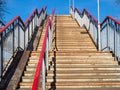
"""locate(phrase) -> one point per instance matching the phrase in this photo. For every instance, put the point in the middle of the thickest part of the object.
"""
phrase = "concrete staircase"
(29, 73)
(75, 63)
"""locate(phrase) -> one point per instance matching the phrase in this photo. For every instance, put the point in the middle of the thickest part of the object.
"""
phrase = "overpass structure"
(60, 52)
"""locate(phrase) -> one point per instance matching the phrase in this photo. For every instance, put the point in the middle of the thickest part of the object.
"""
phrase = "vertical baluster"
(43, 75)
(32, 27)
(47, 54)
(13, 42)
(49, 30)
(115, 40)
(18, 34)
(108, 35)
(28, 31)
(24, 38)
(1, 52)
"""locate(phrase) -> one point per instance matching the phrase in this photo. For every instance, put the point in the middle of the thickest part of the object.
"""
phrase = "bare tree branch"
(2, 9)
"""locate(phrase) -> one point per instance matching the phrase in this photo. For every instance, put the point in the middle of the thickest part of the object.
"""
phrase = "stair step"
(90, 68)
(83, 61)
(77, 51)
(99, 88)
(94, 49)
(81, 80)
(76, 47)
(87, 56)
(29, 73)
(99, 77)
(85, 66)
(27, 79)
(26, 84)
(24, 89)
(78, 54)
(73, 58)
(84, 84)
(85, 72)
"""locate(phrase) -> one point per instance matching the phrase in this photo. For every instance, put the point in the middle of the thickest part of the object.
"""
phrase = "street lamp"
(73, 4)
(70, 4)
(99, 38)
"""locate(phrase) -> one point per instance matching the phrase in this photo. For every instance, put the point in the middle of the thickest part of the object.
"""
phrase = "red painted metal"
(108, 17)
(35, 11)
(7, 25)
(91, 15)
(76, 9)
(39, 66)
(18, 17)
(85, 10)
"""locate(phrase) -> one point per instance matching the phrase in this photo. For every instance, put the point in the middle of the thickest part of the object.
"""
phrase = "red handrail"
(113, 19)
(39, 66)
(91, 15)
(35, 11)
(18, 17)
(78, 11)
(7, 25)
(85, 10)
(108, 17)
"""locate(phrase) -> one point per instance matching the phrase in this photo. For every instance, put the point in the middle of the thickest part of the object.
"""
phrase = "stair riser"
(80, 80)
(74, 87)
(27, 80)
(26, 86)
(78, 62)
(81, 57)
(86, 69)
(84, 74)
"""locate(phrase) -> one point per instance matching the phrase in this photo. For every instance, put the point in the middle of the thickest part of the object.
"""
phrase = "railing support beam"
(1, 57)
(99, 37)
(43, 75)
(47, 51)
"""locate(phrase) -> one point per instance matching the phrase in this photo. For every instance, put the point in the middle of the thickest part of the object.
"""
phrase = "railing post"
(73, 10)
(99, 37)
(32, 21)
(18, 34)
(69, 6)
(108, 35)
(24, 39)
(28, 31)
(13, 39)
(47, 54)
(115, 40)
(43, 75)
(1, 56)
(49, 32)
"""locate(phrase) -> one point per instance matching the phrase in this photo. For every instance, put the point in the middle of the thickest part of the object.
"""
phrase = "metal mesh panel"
(7, 49)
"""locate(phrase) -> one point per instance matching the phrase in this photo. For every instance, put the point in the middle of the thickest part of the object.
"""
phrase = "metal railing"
(1, 24)
(110, 30)
(43, 58)
(110, 36)
(15, 36)
(87, 20)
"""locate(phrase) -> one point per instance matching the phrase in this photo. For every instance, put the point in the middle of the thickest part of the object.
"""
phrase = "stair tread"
(100, 88)
(83, 71)
(89, 83)
(85, 66)
(84, 77)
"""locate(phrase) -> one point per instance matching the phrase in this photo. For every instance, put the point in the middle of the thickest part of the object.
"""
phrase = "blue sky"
(24, 8)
